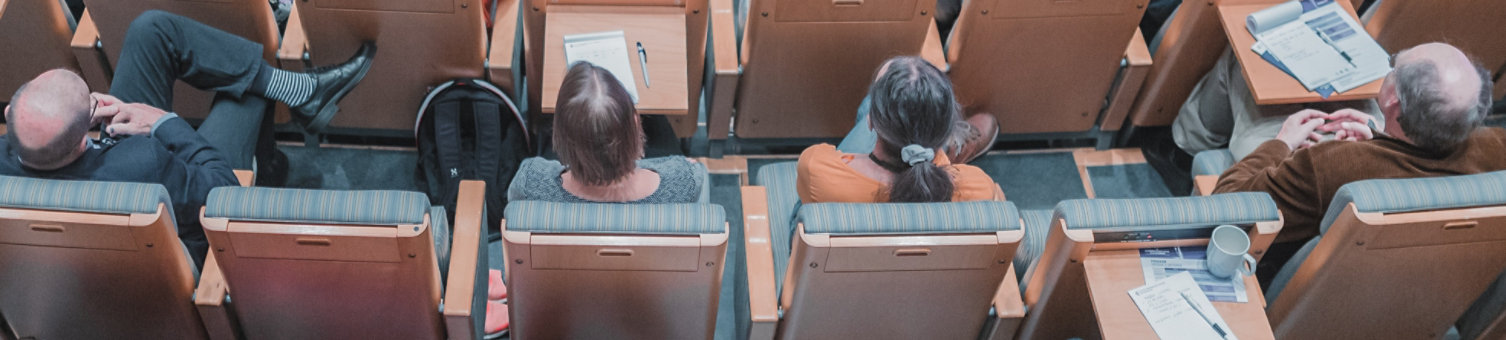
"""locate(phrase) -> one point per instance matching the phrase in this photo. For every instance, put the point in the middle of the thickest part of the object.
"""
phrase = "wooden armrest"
(932, 50)
(503, 50)
(246, 178)
(1009, 309)
(1127, 89)
(465, 307)
(1202, 185)
(92, 61)
(762, 291)
(210, 299)
(728, 69)
(295, 43)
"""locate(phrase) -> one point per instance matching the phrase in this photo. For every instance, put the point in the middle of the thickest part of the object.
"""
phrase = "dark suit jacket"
(174, 156)
(1304, 182)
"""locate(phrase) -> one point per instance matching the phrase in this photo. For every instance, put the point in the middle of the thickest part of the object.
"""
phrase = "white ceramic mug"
(1228, 252)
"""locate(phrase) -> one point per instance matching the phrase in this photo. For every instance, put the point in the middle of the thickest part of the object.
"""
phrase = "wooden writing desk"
(1202, 185)
(1110, 276)
(660, 29)
(1268, 84)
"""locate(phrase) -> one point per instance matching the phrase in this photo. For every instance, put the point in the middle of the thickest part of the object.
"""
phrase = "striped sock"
(288, 87)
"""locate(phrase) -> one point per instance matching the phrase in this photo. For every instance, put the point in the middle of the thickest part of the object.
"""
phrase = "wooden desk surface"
(1267, 83)
(660, 29)
(1110, 276)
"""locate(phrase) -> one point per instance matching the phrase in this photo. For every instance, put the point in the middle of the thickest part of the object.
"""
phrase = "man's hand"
(1297, 131)
(1350, 125)
(130, 118)
(102, 100)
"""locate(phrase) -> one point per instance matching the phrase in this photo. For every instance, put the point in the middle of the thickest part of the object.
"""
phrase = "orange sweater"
(824, 176)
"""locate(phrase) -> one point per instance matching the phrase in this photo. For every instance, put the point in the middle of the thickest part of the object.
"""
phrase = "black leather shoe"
(331, 84)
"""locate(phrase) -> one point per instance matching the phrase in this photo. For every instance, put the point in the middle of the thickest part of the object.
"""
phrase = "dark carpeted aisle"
(1034, 180)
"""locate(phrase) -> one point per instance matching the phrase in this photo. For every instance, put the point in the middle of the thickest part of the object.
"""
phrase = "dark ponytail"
(912, 105)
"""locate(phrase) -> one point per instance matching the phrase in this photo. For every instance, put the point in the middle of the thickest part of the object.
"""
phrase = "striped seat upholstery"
(372, 207)
(779, 180)
(1212, 162)
(1395, 196)
(555, 217)
(83, 196)
(1037, 226)
(1150, 213)
(909, 218)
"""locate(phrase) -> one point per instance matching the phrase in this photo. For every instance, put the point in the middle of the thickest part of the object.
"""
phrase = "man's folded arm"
(202, 166)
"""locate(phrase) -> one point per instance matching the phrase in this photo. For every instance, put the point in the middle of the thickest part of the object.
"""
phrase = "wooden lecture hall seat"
(614, 271)
(1396, 258)
(1046, 68)
(93, 260)
(101, 35)
(804, 66)
(318, 264)
(840, 270)
(420, 44)
(35, 36)
(1057, 284)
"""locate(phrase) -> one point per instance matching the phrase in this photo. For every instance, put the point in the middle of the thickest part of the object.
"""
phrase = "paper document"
(1318, 43)
(1161, 263)
(1177, 310)
(607, 50)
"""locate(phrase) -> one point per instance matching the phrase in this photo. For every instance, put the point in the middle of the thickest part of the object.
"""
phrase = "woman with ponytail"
(911, 116)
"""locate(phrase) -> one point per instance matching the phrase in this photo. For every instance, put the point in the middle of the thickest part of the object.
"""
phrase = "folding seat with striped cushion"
(361, 264)
(606, 270)
(1396, 258)
(1055, 287)
(93, 260)
(867, 264)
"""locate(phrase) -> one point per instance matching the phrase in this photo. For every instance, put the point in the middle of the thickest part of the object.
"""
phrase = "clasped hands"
(1307, 127)
(123, 118)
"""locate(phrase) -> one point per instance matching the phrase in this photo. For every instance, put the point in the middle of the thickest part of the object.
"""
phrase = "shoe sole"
(327, 113)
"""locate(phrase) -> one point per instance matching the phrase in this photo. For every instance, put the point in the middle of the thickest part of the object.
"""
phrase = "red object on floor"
(496, 317)
(495, 288)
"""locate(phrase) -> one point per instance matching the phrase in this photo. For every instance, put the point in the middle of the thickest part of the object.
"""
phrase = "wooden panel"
(1056, 89)
(66, 235)
(428, 6)
(1190, 45)
(415, 51)
(806, 79)
(633, 257)
(660, 29)
(272, 241)
(1268, 84)
(1471, 25)
(37, 35)
(843, 10)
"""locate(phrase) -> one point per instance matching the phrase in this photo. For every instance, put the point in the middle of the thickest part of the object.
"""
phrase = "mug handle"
(1249, 267)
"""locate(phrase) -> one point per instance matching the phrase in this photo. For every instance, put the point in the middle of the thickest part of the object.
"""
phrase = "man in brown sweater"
(1439, 98)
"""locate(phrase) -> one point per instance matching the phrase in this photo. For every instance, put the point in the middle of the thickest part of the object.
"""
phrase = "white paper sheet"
(607, 50)
(1168, 306)
(1161, 263)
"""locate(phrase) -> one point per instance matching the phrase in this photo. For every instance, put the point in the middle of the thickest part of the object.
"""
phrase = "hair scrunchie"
(915, 154)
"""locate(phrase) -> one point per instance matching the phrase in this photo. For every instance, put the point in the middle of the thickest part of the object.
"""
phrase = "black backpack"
(467, 129)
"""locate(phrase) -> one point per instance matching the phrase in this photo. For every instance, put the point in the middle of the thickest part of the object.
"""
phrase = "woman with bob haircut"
(599, 138)
(911, 118)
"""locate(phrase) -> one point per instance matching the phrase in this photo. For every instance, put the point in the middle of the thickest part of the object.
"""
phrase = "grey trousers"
(1220, 112)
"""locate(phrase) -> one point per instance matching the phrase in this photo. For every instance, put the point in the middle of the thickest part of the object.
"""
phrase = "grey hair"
(1428, 117)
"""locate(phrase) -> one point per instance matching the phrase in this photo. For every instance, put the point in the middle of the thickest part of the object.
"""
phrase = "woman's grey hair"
(1429, 118)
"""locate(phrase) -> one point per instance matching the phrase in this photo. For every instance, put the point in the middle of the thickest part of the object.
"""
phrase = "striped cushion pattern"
(82, 196)
(1212, 162)
(1037, 226)
(909, 218)
(779, 180)
(1419, 194)
(555, 217)
(1232, 208)
(317, 206)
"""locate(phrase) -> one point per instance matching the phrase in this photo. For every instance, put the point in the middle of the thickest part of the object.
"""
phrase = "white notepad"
(607, 50)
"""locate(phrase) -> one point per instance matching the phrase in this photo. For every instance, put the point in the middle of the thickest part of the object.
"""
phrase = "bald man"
(141, 141)
(1439, 98)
